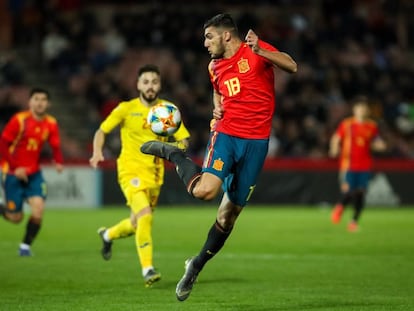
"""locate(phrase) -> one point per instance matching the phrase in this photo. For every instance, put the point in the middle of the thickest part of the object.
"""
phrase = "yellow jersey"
(143, 170)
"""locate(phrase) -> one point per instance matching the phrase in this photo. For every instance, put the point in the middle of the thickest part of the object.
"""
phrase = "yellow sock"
(122, 229)
(143, 240)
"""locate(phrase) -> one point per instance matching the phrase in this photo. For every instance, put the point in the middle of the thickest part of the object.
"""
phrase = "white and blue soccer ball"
(164, 119)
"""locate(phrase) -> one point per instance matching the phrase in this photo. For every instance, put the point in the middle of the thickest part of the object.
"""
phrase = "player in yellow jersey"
(140, 176)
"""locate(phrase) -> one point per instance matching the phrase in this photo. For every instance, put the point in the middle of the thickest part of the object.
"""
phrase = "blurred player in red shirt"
(353, 142)
(21, 143)
(242, 75)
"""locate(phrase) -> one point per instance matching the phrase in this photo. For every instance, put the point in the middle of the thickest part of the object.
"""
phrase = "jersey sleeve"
(4, 150)
(212, 76)
(11, 130)
(375, 131)
(9, 134)
(340, 131)
(267, 46)
(54, 142)
(114, 118)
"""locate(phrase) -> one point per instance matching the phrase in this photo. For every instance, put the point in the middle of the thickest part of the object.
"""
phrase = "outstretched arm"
(55, 144)
(277, 58)
(98, 142)
(218, 107)
(334, 145)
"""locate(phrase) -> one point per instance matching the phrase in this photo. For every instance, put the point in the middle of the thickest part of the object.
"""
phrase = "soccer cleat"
(25, 252)
(159, 149)
(337, 213)
(353, 226)
(185, 285)
(151, 277)
(106, 250)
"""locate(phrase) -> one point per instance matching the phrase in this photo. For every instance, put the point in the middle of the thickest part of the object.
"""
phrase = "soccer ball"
(164, 119)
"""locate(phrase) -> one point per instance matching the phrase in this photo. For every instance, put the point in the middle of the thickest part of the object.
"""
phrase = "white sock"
(145, 270)
(24, 246)
(106, 236)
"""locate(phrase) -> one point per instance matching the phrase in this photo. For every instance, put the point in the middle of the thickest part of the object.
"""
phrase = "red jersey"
(356, 138)
(22, 140)
(246, 83)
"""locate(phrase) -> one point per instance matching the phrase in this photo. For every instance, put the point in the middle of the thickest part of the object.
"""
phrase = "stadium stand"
(90, 52)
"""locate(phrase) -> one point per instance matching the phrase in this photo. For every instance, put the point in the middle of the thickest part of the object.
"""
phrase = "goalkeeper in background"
(140, 176)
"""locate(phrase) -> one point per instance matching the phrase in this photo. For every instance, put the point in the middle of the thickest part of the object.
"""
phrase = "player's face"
(39, 103)
(361, 110)
(149, 86)
(213, 41)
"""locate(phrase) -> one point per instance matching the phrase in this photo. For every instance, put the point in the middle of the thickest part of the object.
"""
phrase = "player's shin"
(32, 229)
(346, 198)
(358, 205)
(215, 241)
(122, 229)
(143, 240)
(187, 170)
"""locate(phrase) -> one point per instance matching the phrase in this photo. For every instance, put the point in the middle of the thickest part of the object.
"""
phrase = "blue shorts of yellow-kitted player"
(17, 191)
(237, 162)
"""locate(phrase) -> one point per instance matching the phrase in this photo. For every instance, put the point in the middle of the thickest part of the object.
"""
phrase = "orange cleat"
(353, 226)
(337, 213)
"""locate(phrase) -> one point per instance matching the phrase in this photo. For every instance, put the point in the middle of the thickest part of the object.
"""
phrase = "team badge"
(45, 135)
(135, 182)
(243, 65)
(218, 165)
(11, 205)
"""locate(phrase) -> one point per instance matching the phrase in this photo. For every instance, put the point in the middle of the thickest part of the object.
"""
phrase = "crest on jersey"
(243, 65)
(11, 205)
(218, 165)
(135, 182)
(45, 135)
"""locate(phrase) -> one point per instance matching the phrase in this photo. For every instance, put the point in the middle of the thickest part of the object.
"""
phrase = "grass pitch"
(281, 258)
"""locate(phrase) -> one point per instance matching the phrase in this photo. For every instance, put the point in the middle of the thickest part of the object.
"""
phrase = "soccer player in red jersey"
(353, 141)
(21, 143)
(242, 76)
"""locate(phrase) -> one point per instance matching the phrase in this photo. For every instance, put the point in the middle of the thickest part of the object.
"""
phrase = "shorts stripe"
(209, 156)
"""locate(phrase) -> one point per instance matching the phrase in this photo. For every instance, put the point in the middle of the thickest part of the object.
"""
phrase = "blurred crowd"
(343, 49)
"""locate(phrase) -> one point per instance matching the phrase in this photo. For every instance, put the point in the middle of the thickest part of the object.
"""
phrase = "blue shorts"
(357, 180)
(17, 191)
(237, 162)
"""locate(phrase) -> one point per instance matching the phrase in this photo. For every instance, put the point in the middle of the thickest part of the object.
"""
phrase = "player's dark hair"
(149, 68)
(222, 20)
(37, 90)
(360, 99)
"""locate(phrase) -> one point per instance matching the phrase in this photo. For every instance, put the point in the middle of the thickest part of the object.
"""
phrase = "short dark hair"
(222, 20)
(36, 90)
(148, 68)
(360, 99)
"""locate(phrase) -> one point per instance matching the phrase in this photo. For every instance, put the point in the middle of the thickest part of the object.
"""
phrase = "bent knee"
(205, 193)
(14, 218)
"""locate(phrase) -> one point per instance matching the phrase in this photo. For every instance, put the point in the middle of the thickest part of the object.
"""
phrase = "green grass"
(286, 258)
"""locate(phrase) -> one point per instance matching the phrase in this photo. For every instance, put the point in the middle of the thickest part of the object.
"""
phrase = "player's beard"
(39, 112)
(220, 51)
(151, 97)
(218, 55)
